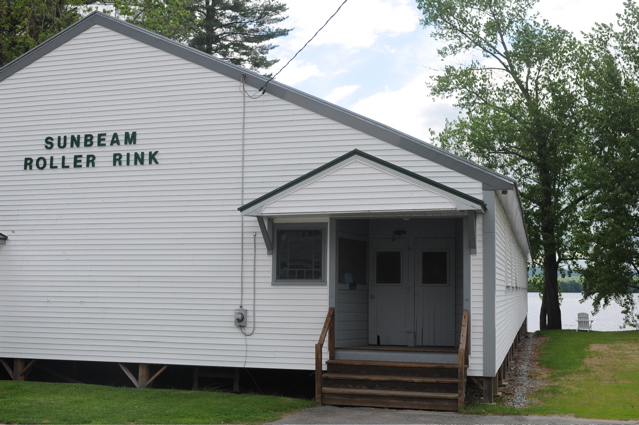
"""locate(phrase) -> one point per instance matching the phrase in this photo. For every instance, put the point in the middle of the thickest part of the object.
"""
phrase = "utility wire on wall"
(257, 95)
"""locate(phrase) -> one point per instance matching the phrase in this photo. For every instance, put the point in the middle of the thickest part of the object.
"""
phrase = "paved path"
(366, 415)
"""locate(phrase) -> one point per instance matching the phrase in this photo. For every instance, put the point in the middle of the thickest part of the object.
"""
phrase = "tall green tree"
(513, 77)
(171, 18)
(239, 31)
(26, 23)
(608, 239)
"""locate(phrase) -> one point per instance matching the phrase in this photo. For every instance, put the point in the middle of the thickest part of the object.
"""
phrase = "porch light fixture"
(398, 233)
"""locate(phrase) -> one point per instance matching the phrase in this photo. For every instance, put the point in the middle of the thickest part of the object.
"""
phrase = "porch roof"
(359, 183)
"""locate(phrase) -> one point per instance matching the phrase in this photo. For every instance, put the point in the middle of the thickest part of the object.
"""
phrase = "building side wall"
(511, 304)
(145, 263)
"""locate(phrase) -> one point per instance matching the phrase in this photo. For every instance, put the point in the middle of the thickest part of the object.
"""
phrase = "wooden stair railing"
(462, 361)
(328, 329)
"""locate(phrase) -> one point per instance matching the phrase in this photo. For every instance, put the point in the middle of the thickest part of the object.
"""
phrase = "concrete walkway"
(367, 415)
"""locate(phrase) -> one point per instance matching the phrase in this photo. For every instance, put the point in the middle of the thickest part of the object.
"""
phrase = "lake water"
(608, 319)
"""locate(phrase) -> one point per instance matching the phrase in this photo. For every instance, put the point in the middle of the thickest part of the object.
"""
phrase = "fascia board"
(511, 202)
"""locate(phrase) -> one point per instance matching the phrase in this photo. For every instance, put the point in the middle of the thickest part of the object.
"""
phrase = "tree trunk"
(542, 313)
(550, 314)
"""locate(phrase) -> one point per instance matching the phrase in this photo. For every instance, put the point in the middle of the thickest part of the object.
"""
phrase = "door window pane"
(434, 268)
(388, 267)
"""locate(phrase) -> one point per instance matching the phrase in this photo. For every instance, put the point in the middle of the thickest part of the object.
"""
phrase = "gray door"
(391, 311)
(412, 292)
(435, 291)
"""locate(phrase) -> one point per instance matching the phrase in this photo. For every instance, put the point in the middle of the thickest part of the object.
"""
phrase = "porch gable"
(359, 183)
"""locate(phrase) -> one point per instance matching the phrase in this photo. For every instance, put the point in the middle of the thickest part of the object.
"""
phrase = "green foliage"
(38, 402)
(521, 113)
(570, 285)
(236, 30)
(171, 18)
(220, 22)
(608, 239)
(239, 31)
(26, 23)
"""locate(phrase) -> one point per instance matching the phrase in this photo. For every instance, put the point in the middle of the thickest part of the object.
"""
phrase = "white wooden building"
(148, 191)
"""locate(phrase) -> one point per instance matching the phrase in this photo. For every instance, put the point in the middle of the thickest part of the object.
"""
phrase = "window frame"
(277, 227)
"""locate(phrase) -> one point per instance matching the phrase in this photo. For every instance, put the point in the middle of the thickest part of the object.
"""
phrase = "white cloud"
(370, 55)
(297, 71)
(357, 25)
(579, 15)
(341, 92)
(409, 109)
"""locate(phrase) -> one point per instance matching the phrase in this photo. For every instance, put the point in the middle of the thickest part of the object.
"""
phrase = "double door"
(412, 292)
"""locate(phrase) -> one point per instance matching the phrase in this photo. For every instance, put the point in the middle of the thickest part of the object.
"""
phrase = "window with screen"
(300, 254)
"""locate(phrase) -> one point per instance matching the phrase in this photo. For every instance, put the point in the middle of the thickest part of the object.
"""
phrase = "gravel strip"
(522, 381)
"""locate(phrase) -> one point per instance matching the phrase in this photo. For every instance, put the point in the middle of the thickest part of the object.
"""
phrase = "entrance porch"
(400, 283)
(399, 256)
(399, 313)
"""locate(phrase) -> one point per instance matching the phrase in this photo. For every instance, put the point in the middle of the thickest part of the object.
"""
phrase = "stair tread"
(393, 378)
(392, 363)
(389, 393)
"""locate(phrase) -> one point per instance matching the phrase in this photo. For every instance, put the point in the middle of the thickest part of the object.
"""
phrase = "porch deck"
(441, 355)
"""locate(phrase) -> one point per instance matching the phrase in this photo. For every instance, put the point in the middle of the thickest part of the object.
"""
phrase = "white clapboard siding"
(359, 187)
(144, 263)
(511, 284)
(352, 317)
(476, 358)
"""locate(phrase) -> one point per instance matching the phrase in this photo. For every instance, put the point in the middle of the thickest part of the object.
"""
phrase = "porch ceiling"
(361, 184)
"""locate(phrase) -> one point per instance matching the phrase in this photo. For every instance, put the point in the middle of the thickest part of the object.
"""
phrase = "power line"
(263, 88)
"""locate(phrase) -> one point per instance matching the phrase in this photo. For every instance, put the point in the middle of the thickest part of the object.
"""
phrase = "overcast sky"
(374, 57)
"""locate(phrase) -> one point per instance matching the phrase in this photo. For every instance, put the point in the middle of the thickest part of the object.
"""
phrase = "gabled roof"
(377, 185)
(491, 180)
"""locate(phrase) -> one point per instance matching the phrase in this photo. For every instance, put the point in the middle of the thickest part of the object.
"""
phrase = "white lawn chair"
(583, 322)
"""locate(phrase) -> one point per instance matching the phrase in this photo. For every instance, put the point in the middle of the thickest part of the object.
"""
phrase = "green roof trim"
(357, 152)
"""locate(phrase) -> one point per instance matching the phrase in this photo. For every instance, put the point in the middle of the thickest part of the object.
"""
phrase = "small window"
(388, 267)
(299, 254)
(434, 268)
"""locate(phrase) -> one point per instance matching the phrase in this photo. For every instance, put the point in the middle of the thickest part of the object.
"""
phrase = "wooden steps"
(429, 386)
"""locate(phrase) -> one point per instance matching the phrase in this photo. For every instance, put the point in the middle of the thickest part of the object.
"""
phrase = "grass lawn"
(591, 375)
(52, 403)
